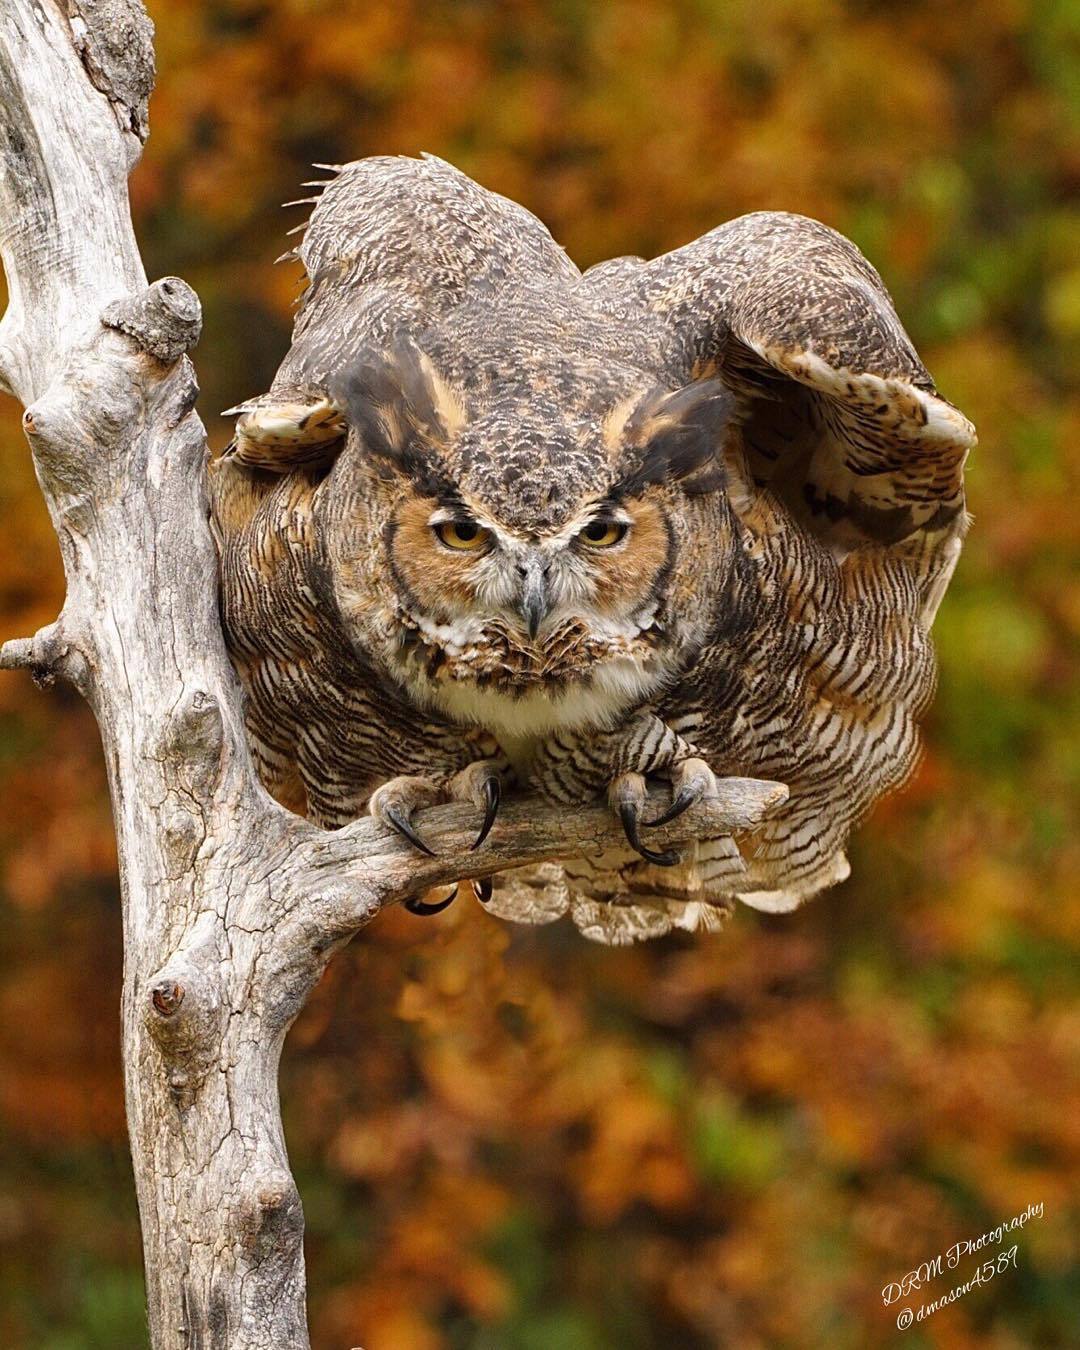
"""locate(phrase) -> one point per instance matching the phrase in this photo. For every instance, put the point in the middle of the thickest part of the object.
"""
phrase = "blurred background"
(509, 1139)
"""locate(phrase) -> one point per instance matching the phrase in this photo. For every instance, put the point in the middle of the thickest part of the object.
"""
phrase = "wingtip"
(246, 405)
(944, 421)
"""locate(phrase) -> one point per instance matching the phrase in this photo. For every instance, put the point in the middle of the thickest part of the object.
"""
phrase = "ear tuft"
(678, 437)
(401, 409)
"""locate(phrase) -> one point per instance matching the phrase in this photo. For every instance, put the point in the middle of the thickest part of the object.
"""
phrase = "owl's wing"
(838, 418)
(281, 431)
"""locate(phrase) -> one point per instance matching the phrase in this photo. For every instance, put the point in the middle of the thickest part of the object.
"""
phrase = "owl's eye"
(603, 533)
(465, 535)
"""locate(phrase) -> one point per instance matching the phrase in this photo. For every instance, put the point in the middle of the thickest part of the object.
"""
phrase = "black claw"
(628, 813)
(415, 906)
(483, 887)
(403, 825)
(493, 792)
(683, 801)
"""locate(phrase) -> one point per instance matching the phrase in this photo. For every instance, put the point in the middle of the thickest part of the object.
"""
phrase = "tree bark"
(231, 905)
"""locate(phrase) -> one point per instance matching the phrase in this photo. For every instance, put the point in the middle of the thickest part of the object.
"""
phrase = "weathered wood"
(231, 906)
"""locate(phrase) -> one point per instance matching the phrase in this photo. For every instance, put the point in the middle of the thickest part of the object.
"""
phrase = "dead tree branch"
(231, 905)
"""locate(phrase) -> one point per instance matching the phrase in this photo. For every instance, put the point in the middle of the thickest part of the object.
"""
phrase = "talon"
(423, 909)
(493, 794)
(629, 815)
(683, 800)
(482, 889)
(403, 825)
(691, 782)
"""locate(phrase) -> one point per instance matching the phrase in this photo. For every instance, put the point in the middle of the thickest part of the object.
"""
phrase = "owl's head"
(545, 552)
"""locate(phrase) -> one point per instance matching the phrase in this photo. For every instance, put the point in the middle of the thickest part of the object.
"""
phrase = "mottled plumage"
(499, 519)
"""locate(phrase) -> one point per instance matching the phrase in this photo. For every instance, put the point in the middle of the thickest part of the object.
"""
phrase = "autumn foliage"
(508, 1139)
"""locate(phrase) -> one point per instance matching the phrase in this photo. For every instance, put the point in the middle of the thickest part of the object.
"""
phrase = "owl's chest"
(488, 675)
(528, 716)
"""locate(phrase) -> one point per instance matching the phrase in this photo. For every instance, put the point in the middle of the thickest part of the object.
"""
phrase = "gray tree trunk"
(231, 905)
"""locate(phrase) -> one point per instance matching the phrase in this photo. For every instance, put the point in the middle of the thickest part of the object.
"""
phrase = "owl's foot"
(426, 907)
(577, 768)
(479, 783)
(627, 797)
(393, 805)
(692, 781)
(482, 888)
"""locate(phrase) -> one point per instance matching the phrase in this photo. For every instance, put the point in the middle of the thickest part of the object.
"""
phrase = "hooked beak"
(535, 601)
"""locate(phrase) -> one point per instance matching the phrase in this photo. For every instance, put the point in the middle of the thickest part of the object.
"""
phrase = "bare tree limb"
(365, 855)
(231, 905)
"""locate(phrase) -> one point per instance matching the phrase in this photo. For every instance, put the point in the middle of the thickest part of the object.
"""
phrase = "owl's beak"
(535, 600)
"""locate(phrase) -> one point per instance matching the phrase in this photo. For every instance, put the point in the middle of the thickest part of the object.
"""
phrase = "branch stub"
(165, 320)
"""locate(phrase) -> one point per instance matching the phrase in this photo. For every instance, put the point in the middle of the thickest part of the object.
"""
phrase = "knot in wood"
(184, 1012)
(271, 1212)
(36, 421)
(182, 834)
(80, 428)
(165, 320)
(167, 996)
(196, 729)
(191, 746)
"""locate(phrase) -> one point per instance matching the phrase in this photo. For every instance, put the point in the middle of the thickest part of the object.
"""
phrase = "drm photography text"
(996, 1264)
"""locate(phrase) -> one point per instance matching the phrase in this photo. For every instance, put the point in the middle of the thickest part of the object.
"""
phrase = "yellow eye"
(603, 533)
(465, 535)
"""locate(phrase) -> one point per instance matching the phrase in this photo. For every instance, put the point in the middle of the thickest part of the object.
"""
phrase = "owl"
(499, 522)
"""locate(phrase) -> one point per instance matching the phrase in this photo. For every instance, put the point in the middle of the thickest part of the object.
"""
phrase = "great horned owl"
(498, 518)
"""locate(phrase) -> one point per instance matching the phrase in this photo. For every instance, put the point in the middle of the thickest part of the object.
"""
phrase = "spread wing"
(839, 419)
